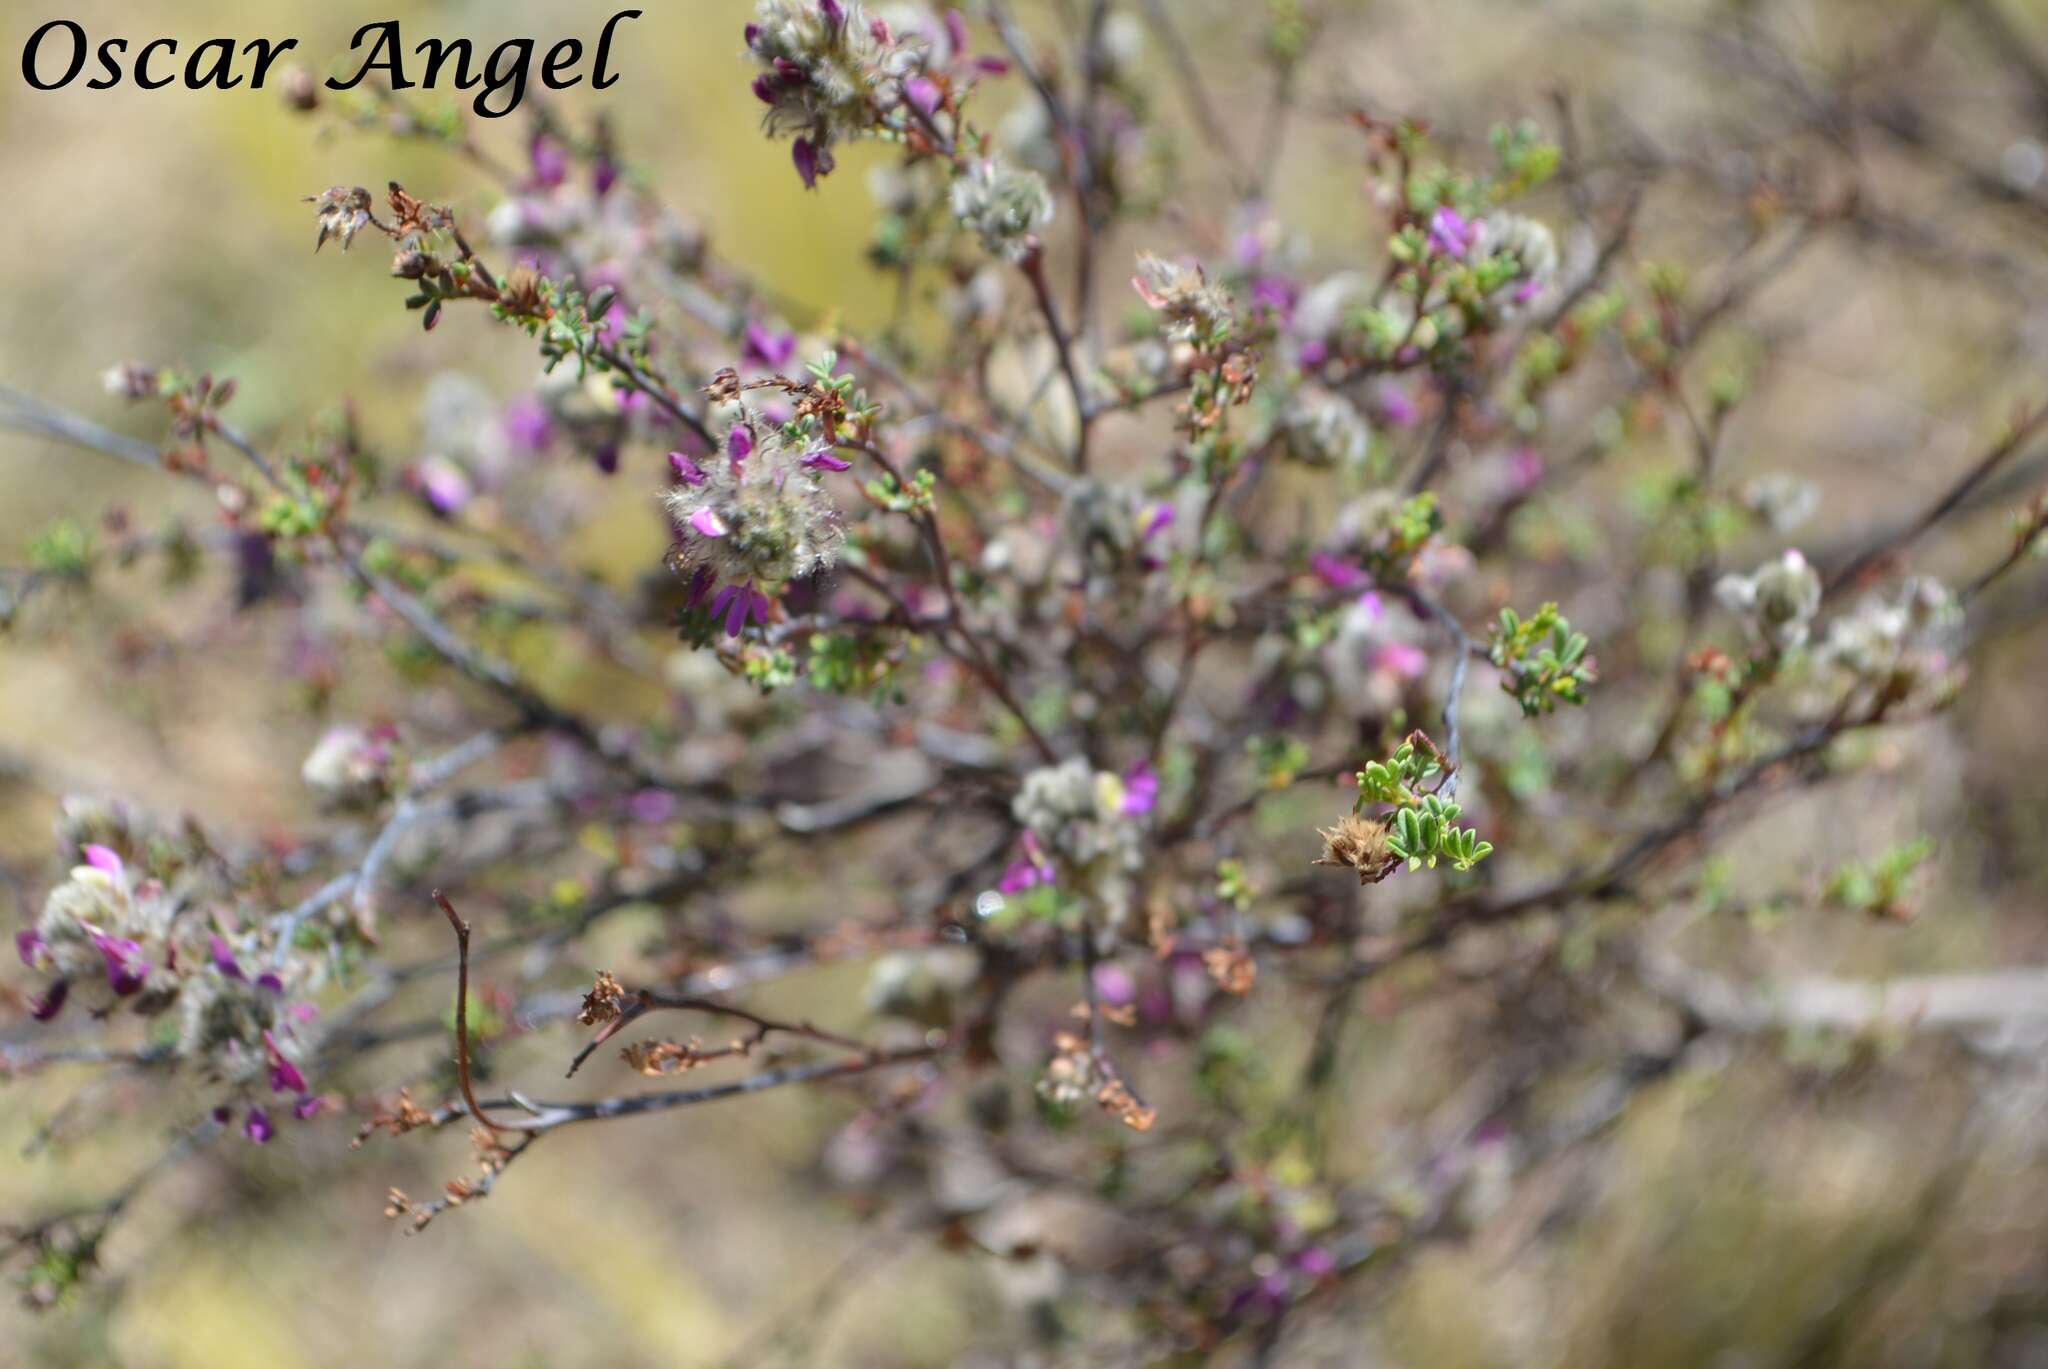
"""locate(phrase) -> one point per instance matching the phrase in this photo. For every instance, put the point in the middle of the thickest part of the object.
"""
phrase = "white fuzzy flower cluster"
(1896, 644)
(1534, 249)
(1776, 602)
(350, 766)
(1781, 499)
(1196, 310)
(1085, 817)
(757, 512)
(1004, 205)
(1322, 428)
(828, 70)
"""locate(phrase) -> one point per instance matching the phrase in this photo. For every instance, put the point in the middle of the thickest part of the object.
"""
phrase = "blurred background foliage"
(1797, 1204)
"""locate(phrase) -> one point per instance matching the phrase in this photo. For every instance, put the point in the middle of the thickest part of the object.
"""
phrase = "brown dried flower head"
(1361, 844)
(601, 1004)
(1232, 967)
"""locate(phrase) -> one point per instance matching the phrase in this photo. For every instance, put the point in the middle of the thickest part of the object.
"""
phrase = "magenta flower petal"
(309, 1107)
(29, 945)
(832, 10)
(550, 162)
(223, 956)
(956, 31)
(1020, 875)
(1114, 985)
(1450, 233)
(923, 92)
(766, 347)
(285, 1077)
(764, 88)
(1159, 520)
(806, 158)
(685, 471)
(823, 460)
(740, 442)
(104, 858)
(126, 968)
(700, 585)
(1336, 572)
(270, 983)
(51, 1003)
(1141, 789)
(707, 522)
(258, 1127)
(736, 611)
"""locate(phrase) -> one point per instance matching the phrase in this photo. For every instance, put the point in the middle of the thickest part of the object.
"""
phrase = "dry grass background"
(167, 226)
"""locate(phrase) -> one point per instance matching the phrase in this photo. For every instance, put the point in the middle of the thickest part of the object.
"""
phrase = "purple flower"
(832, 11)
(126, 969)
(223, 956)
(740, 442)
(651, 805)
(104, 858)
(1029, 872)
(309, 1107)
(923, 92)
(527, 425)
(550, 162)
(1450, 233)
(768, 348)
(1158, 521)
(285, 1077)
(1020, 875)
(604, 176)
(956, 31)
(29, 945)
(1114, 985)
(51, 1003)
(736, 603)
(605, 456)
(707, 522)
(822, 459)
(1336, 572)
(1141, 789)
(806, 158)
(270, 983)
(685, 471)
(1276, 293)
(258, 1128)
(1316, 1262)
(764, 88)
(1398, 407)
(751, 32)
(1314, 353)
(445, 486)
(700, 585)
(1404, 659)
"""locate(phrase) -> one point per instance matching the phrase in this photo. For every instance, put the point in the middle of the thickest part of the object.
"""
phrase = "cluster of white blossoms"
(1085, 824)
(1776, 602)
(1004, 205)
(1323, 428)
(753, 517)
(1897, 644)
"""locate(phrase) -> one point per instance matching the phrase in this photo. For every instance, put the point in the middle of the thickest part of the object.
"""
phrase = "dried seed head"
(601, 1004)
(1360, 843)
